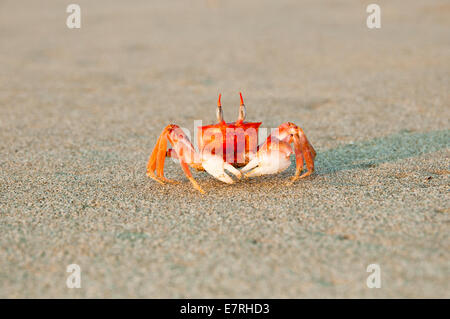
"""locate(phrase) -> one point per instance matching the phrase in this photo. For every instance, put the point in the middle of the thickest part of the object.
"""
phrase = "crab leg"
(156, 161)
(151, 165)
(188, 174)
(182, 147)
(184, 151)
(160, 158)
(303, 149)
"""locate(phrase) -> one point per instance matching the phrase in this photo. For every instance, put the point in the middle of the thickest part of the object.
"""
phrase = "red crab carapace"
(228, 146)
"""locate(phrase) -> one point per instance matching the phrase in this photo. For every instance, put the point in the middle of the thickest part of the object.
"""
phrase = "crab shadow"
(370, 153)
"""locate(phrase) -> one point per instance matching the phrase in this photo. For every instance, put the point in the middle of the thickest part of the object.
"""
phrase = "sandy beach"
(81, 110)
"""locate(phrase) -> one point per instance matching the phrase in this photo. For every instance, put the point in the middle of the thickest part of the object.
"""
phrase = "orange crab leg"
(303, 150)
(188, 174)
(160, 158)
(151, 165)
(182, 148)
(156, 161)
(298, 156)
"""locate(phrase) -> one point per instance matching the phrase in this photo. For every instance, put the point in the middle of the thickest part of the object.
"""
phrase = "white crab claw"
(270, 161)
(216, 166)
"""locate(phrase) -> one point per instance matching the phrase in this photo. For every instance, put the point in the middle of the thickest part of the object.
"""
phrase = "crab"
(229, 146)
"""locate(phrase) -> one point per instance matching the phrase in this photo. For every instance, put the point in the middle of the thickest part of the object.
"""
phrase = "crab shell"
(239, 140)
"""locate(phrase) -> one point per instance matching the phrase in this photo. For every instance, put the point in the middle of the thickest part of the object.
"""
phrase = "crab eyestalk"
(241, 117)
(219, 112)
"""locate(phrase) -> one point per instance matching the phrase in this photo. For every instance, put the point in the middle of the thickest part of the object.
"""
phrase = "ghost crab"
(228, 146)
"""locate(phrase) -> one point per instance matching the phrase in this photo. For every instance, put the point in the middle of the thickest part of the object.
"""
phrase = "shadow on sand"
(381, 150)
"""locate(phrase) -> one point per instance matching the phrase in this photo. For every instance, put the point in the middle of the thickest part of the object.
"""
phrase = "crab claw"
(216, 166)
(272, 159)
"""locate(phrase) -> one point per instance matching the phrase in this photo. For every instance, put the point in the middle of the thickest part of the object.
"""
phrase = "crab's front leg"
(273, 156)
(303, 150)
(184, 151)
